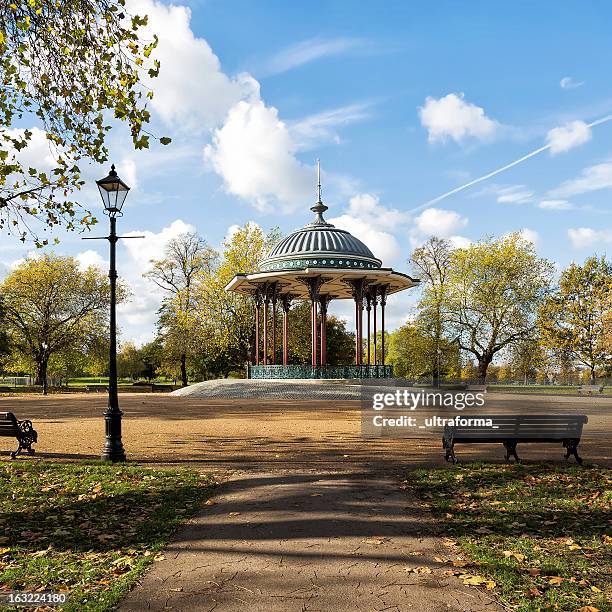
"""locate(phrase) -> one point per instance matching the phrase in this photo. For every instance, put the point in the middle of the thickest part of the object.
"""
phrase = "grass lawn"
(545, 389)
(539, 536)
(89, 530)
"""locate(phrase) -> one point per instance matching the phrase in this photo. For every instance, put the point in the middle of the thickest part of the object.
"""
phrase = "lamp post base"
(113, 447)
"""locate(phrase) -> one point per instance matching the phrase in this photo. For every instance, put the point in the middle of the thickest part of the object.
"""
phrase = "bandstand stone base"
(287, 389)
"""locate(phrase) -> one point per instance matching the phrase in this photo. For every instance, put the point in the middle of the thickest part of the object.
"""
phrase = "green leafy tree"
(576, 316)
(52, 306)
(71, 66)
(185, 258)
(494, 290)
(225, 321)
(340, 342)
(431, 263)
(129, 361)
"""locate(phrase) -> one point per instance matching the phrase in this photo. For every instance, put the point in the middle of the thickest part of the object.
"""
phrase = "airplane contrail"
(520, 160)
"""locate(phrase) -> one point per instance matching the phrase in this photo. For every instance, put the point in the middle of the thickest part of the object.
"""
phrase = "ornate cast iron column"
(374, 304)
(383, 302)
(257, 295)
(286, 304)
(314, 285)
(368, 300)
(357, 286)
(324, 301)
(273, 299)
(266, 301)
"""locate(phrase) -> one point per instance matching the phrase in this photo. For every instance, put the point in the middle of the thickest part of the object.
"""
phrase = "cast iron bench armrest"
(22, 430)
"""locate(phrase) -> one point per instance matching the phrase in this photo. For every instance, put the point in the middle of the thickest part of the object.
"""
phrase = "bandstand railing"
(315, 372)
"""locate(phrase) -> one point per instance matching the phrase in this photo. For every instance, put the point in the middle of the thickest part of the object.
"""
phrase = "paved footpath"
(307, 540)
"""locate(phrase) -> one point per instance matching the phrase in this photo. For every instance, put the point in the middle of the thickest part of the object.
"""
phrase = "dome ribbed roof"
(319, 244)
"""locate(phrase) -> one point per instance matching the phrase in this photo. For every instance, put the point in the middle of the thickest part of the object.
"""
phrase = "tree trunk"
(41, 374)
(592, 375)
(483, 365)
(184, 381)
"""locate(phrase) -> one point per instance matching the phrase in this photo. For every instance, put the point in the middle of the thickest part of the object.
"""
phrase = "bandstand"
(320, 263)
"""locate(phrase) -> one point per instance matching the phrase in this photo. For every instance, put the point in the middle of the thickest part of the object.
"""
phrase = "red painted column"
(313, 321)
(257, 332)
(368, 310)
(265, 332)
(274, 330)
(285, 337)
(375, 303)
(383, 302)
(323, 303)
(356, 332)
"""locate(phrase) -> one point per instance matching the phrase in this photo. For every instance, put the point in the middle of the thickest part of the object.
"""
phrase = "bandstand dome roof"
(319, 249)
(319, 244)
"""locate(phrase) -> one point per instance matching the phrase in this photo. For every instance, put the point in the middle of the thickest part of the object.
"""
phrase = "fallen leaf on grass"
(587, 609)
(159, 557)
(554, 580)
(234, 514)
(534, 571)
(534, 592)
(209, 502)
(4, 550)
(517, 556)
(595, 589)
(607, 539)
(471, 580)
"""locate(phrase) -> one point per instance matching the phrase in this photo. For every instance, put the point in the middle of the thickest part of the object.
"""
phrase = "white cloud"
(90, 258)
(569, 83)
(452, 117)
(592, 178)
(374, 224)
(459, 242)
(192, 93)
(313, 130)
(38, 154)
(586, 237)
(555, 205)
(440, 222)
(307, 51)
(515, 194)
(530, 235)
(568, 136)
(254, 153)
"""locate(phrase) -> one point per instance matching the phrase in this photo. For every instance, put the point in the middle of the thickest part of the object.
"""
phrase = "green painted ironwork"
(310, 372)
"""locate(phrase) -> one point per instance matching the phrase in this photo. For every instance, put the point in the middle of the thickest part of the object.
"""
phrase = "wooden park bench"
(481, 388)
(590, 389)
(158, 387)
(96, 388)
(26, 435)
(509, 430)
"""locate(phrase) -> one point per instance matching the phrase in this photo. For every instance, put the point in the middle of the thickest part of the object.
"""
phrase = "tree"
(225, 321)
(73, 66)
(340, 342)
(494, 289)
(431, 262)
(52, 306)
(526, 356)
(4, 340)
(410, 352)
(576, 316)
(185, 257)
(129, 362)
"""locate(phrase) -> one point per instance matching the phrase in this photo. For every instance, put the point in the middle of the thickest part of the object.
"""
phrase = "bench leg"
(510, 446)
(450, 455)
(18, 451)
(572, 449)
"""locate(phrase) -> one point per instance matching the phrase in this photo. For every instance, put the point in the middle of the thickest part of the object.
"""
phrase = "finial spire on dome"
(319, 208)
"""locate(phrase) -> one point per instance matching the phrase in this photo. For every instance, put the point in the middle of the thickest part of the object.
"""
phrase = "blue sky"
(402, 101)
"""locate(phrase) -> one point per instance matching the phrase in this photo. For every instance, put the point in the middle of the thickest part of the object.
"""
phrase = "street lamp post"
(113, 191)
